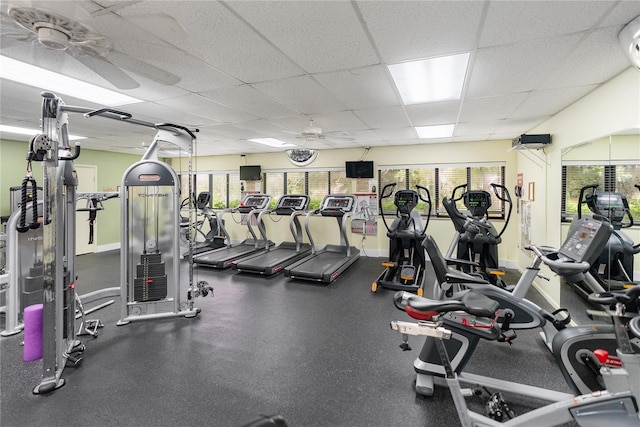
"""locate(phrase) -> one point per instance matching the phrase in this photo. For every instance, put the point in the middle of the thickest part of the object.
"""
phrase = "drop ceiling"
(263, 69)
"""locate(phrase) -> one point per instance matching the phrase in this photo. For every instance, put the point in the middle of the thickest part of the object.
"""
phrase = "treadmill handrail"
(343, 232)
(261, 227)
(296, 228)
(306, 228)
(250, 227)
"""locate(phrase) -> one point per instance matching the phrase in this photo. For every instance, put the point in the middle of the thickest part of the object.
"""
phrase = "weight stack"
(150, 283)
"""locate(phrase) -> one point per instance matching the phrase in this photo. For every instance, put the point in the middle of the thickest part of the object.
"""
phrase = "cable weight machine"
(60, 348)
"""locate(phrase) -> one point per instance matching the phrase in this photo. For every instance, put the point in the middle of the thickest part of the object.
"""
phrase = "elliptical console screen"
(585, 238)
(478, 202)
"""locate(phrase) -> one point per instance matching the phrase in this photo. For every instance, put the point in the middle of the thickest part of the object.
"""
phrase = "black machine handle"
(422, 192)
(505, 197)
(582, 200)
(385, 193)
(455, 190)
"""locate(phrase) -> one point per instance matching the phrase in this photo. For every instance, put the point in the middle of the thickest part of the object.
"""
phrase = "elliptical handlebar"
(505, 197)
(424, 190)
(455, 190)
(582, 199)
(385, 193)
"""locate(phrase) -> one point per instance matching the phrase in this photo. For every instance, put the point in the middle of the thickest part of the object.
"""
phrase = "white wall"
(610, 108)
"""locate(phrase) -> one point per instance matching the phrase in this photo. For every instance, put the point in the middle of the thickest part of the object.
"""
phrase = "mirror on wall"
(603, 176)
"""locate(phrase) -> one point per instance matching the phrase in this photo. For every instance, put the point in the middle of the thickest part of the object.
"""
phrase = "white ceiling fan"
(59, 26)
(313, 133)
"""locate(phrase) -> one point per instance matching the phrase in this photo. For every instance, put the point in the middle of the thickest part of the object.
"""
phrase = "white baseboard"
(109, 247)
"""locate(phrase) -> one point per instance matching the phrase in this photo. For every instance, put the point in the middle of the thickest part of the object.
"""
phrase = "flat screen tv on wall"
(359, 169)
(250, 173)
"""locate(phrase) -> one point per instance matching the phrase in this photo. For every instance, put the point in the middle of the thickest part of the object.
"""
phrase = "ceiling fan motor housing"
(52, 38)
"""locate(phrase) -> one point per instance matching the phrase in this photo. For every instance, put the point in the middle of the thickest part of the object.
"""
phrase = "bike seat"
(424, 308)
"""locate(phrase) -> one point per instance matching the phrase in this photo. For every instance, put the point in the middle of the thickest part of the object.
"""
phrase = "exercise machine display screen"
(343, 203)
(611, 205)
(296, 203)
(406, 200)
(586, 237)
(256, 202)
(478, 202)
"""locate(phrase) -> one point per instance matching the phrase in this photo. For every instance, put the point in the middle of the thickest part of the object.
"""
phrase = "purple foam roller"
(32, 332)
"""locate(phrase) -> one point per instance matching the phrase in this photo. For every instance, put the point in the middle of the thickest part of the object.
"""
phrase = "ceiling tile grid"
(251, 69)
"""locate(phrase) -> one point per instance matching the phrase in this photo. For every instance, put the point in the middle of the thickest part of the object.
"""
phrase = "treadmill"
(273, 259)
(224, 257)
(326, 264)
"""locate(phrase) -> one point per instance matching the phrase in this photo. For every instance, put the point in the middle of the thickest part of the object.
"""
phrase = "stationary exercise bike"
(614, 266)
(405, 268)
(572, 347)
(615, 402)
(476, 239)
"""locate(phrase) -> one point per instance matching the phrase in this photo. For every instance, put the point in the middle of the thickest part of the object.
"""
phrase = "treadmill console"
(254, 201)
(477, 202)
(587, 236)
(291, 203)
(337, 205)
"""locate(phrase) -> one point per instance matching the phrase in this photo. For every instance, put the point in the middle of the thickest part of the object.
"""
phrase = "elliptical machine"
(614, 266)
(476, 238)
(405, 267)
(213, 239)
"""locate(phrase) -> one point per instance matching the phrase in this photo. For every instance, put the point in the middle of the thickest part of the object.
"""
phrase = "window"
(619, 178)
(318, 183)
(274, 186)
(296, 182)
(440, 180)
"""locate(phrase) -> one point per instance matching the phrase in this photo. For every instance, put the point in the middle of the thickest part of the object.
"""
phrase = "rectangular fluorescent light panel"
(272, 142)
(430, 80)
(31, 132)
(57, 83)
(440, 131)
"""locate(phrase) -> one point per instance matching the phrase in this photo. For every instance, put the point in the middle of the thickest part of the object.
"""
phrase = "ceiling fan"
(41, 25)
(313, 133)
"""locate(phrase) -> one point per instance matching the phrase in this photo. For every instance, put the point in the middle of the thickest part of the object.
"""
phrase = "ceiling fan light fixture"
(52, 38)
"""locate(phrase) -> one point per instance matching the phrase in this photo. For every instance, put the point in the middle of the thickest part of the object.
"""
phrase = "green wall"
(111, 167)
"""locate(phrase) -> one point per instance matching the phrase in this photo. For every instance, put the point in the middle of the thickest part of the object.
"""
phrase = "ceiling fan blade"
(105, 69)
(142, 68)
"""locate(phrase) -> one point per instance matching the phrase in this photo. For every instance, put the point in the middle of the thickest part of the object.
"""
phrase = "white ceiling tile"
(512, 22)
(549, 102)
(301, 94)
(381, 118)
(250, 100)
(516, 68)
(221, 38)
(396, 134)
(594, 54)
(202, 107)
(419, 29)
(490, 108)
(317, 35)
(368, 87)
(337, 121)
(435, 113)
